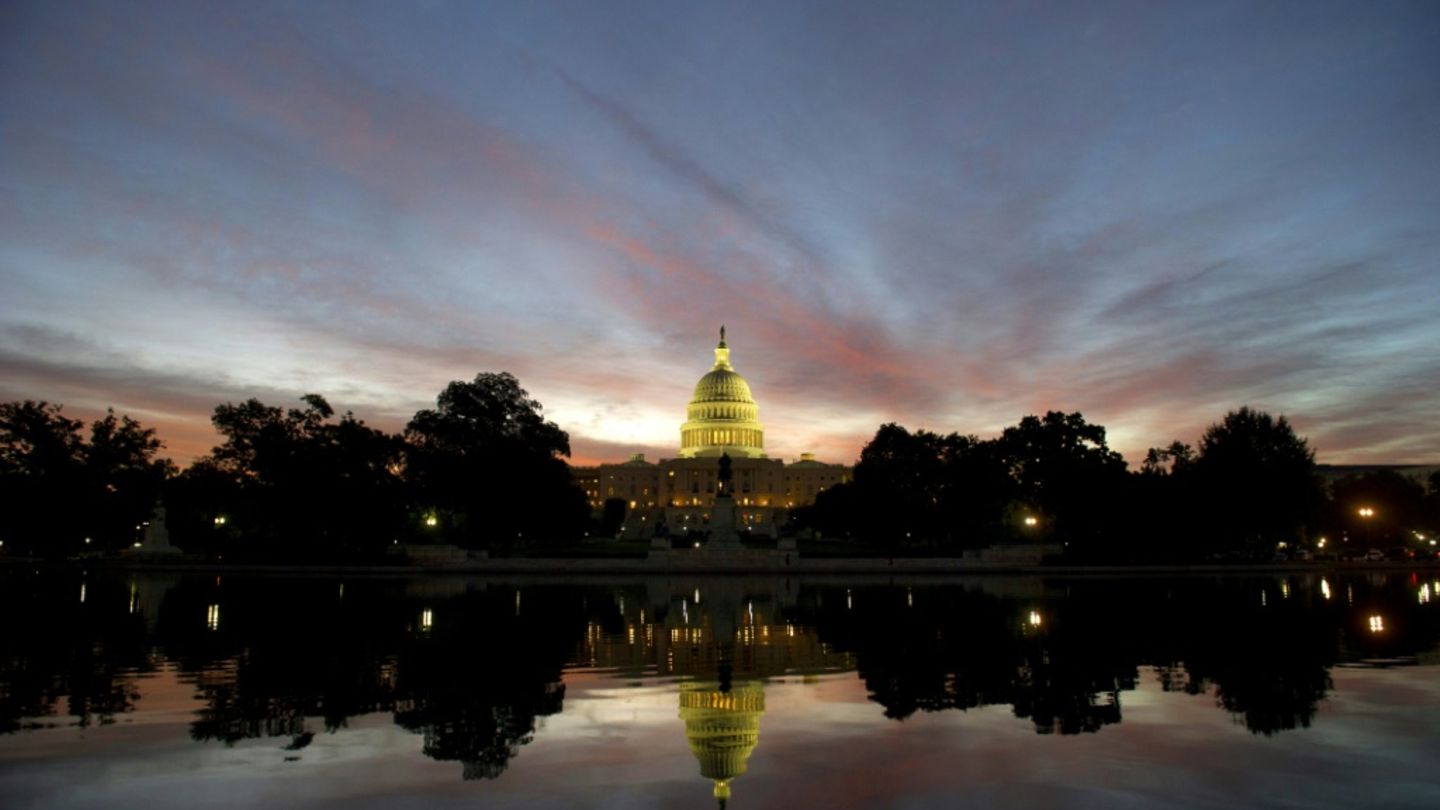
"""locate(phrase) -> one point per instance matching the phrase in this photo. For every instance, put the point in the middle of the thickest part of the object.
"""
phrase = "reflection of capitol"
(693, 630)
(725, 639)
(722, 724)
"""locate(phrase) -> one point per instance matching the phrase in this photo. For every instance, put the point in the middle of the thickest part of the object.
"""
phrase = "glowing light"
(697, 592)
(82, 593)
(1321, 543)
(212, 617)
(1377, 624)
(432, 521)
(1365, 512)
(1425, 594)
(1034, 619)
(1031, 521)
(1325, 589)
(1285, 589)
(136, 545)
(219, 520)
(909, 598)
(87, 541)
(849, 602)
(697, 544)
(427, 619)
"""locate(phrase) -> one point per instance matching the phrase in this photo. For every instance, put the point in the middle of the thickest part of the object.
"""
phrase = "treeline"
(1249, 489)
(482, 469)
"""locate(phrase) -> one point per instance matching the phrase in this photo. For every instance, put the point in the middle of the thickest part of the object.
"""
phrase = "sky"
(946, 215)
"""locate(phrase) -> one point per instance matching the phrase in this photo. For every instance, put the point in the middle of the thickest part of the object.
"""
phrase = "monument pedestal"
(723, 535)
(156, 542)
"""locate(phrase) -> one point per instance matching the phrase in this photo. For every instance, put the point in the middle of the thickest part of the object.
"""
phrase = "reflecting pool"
(126, 690)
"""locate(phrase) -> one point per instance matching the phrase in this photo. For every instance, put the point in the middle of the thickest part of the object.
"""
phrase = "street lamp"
(1366, 513)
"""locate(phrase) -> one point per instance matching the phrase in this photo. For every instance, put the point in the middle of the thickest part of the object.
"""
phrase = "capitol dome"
(722, 417)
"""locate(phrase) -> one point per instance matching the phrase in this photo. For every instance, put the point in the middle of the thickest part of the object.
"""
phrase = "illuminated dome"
(722, 417)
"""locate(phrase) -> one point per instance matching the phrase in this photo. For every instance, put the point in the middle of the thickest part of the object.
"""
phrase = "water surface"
(162, 691)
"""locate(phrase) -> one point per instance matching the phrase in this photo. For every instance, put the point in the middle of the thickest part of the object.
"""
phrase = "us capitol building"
(674, 496)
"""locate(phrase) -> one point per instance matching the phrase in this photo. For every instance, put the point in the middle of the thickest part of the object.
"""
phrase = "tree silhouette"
(487, 457)
(292, 483)
(1255, 482)
(1063, 466)
(57, 487)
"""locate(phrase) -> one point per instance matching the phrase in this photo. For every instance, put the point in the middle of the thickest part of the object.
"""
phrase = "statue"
(726, 474)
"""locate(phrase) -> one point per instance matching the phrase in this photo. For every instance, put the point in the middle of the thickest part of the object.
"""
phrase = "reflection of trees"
(1268, 663)
(475, 681)
(471, 676)
(277, 653)
(472, 668)
(1265, 659)
(56, 647)
(954, 649)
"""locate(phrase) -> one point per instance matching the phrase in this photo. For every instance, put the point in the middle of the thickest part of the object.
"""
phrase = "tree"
(486, 455)
(57, 489)
(293, 483)
(1062, 466)
(124, 477)
(41, 478)
(612, 517)
(1174, 458)
(1256, 482)
(899, 475)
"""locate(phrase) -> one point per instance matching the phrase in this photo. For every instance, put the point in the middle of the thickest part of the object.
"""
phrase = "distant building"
(1419, 473)
(675, 495)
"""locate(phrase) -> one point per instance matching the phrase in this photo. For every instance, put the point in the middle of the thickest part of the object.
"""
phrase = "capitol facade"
(675, 496)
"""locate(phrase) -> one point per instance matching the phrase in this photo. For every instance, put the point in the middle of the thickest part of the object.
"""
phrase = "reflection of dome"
(722, 728)
(722, 416)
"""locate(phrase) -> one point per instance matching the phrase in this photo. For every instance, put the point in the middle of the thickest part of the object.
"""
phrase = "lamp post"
(1366, 514)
